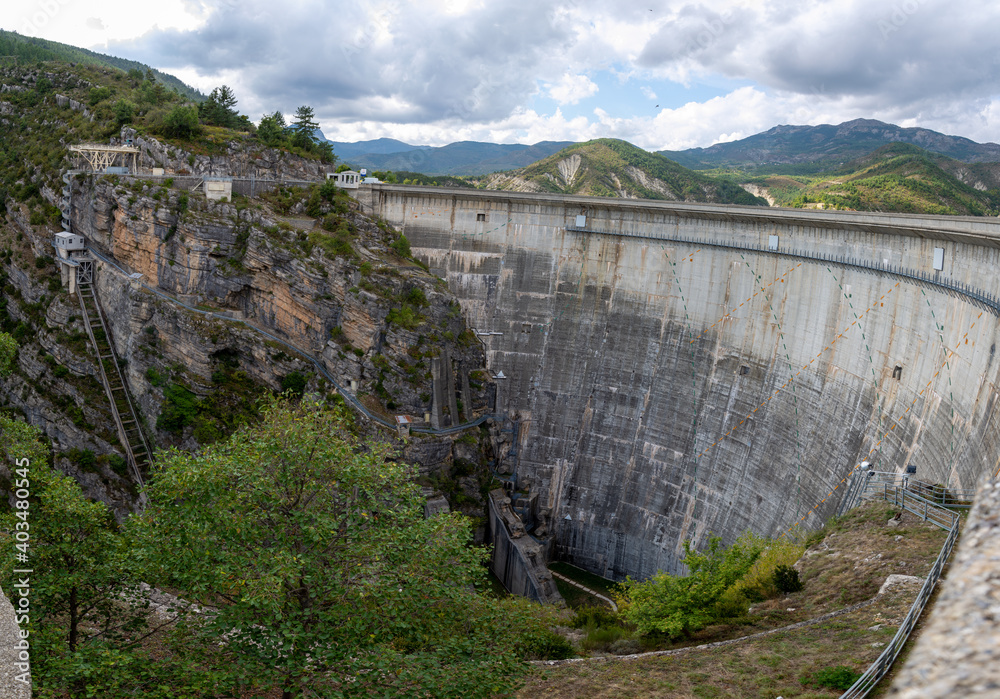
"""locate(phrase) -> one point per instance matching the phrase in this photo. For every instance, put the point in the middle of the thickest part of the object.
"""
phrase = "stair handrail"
(122, 435)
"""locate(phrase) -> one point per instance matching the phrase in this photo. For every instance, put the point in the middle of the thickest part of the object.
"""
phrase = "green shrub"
(840, 677)
(759, 582)
(60, 371)
(548, 645)
(294, 383)
(675, 605)
(415, 297)
(402, 246)
(404, 317)
(733, 603)
(595, 615)
(786, 579)
(180, 407)
(118, 465)
(625, 646)
(84, 458)
(155, 377)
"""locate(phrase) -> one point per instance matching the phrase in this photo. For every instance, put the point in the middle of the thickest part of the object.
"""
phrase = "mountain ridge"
(615, 168)
(459, 158)
(826, 145)
(33, 49)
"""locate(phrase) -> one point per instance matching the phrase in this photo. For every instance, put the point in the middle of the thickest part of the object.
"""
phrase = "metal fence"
(980, 297)
(898, 490)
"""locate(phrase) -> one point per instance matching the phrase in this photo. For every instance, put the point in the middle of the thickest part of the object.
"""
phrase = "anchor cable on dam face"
(951, 396)
(749, 298)
(795, 397)
(694, 373)
(948, 356)
(804, 367)
(879, 395)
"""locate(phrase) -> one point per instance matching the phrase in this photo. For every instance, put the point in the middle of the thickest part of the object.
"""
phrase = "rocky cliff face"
(368, 315)
(53, 381)
(331, 285)
(241, 159)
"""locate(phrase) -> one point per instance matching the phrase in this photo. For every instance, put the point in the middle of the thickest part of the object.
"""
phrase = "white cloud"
(570, 89)
(469, 68)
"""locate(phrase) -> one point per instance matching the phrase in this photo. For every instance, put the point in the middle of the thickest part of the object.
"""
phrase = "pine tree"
(303, 127)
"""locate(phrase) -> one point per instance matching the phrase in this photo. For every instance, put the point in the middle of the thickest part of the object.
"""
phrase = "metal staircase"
(122, 409)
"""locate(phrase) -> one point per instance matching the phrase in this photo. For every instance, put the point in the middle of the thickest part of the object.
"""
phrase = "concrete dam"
(677, 370)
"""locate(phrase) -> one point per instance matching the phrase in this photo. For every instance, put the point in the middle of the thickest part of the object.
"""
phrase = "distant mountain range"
(608, 167)
(899, 177)
(28, 49)
(785, 149)
(815, 148)
(462, 158)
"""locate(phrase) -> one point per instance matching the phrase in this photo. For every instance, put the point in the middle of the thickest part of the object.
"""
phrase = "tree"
(304, 127)
(220, 108)
(87, 618)
(124, 112)
(271, 130)
(181, 122)
(325, 151)
(327, 579)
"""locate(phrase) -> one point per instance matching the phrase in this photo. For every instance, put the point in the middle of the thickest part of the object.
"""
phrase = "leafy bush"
(118, 465)
(155, 377)
(603, 637)
(415, 296)
(180, 407)
(404, 317)
(625, 646)
(840, 677)
(759, 583)
(593, 616)
(402, 246)
(548, 645)
(294, 383)
(786, 579)
(182, 122)
(675, 605)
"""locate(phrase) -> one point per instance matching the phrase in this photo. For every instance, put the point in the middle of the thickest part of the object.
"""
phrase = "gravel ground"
(10, 687)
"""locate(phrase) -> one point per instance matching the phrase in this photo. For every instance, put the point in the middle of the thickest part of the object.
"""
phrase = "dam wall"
(681, 369)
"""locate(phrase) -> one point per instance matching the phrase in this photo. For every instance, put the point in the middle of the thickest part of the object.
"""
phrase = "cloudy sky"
(661, 74)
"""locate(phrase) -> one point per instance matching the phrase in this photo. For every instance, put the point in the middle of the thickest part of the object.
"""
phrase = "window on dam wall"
(480, 217)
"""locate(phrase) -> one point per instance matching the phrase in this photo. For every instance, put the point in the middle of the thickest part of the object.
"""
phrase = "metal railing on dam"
(895, 489)
(980, 230)
(979, 297)
(975, 230)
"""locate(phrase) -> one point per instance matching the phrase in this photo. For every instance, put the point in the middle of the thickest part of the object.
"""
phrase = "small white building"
(75, 263)
(67, 243)
(348, 179)
(217, 188)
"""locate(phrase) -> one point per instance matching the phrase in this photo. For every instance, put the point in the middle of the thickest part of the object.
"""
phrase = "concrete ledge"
(957, 653)
(10, 686)
(978, 230)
